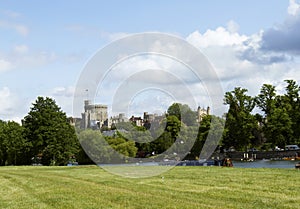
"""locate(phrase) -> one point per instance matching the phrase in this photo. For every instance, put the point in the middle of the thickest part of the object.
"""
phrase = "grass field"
(181, 187)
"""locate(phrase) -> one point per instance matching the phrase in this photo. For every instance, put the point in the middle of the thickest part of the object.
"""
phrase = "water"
(265, 164)
(238, 164)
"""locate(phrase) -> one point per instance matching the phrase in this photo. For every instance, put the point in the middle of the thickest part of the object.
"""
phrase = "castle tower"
(201, 112)
(94, 115)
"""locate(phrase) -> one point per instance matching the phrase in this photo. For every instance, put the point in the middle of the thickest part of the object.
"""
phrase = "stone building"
(201, 112)
(94, 116)
(116, 119)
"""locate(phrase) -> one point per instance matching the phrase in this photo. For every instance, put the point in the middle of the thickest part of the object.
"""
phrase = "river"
(265, 164)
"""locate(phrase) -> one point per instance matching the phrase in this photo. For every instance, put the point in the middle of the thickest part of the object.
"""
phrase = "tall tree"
(16, 144)
(266, 99)
(50, 133)
(292, 104)
(3, 147)
(240, 123)
(277, 124)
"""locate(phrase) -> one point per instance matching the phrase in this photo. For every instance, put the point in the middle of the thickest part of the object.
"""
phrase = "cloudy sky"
(44, 47)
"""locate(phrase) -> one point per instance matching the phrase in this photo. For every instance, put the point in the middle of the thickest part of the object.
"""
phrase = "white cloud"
(64, 98)
(240, 61)
(219, 37)
(293, 8)
(63, 91)
(20, 57)
(10, 105)
(5, 65)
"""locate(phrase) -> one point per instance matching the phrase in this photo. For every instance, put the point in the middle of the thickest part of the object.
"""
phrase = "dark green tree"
(266, 99)
(291, 102)
(3, 147)
(208, 127)
(16, 144)
(50, 133)
(95, 147)
(276, 122)
(125, 147)
(240, 123)
(184, 113)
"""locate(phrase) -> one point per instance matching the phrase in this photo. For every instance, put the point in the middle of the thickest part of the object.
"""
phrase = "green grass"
(181, 187)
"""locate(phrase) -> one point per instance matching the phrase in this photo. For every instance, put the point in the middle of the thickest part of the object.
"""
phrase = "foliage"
(13, 146)
(183, 113)
(50, 133)
(102, 149)
(278, 125)
(240, 123)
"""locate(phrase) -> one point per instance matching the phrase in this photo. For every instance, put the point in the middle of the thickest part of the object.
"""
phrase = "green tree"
(291, 101)
(50, 133)
(266, 99)
(173, 126)
(184, 113)
(3, 147)
(279, 128)
(277, 121)
(16, 144)
(122, 146)
(212, 125)
(240, 123)
(95, 147)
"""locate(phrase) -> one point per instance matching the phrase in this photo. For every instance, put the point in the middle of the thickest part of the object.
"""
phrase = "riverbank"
(259, 155)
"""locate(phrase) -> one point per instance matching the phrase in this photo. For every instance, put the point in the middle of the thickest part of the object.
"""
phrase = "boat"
(291, 158)
(297, 165)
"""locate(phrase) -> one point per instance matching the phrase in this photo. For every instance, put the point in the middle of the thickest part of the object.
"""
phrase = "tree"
(3, 148)
(50, 133)
(122, 146)
(173, 126)
(291, 102)
(278, 113)
(240, 123)
(184, 113)
(266, 100)
(279, 128)
(16, 144)
(95, 147)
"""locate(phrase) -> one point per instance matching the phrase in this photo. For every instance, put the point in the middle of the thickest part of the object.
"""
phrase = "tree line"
(46, 136)
(275, 123)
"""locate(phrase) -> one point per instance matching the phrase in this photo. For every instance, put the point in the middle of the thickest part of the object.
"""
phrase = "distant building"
(75, 121)
(118, 119)
(138, 121)
(94, 116)
(201, 112)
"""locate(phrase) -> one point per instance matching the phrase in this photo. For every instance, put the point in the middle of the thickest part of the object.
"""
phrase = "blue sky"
(44, 45)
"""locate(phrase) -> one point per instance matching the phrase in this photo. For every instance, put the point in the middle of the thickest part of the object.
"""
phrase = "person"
(227, 162)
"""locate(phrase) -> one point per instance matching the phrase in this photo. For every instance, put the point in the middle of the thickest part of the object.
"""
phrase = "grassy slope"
(181, 187)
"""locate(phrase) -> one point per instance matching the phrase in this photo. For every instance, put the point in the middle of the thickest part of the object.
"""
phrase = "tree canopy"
(49, 132)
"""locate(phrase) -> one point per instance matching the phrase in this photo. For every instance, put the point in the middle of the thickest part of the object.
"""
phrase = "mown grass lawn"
(181, 187)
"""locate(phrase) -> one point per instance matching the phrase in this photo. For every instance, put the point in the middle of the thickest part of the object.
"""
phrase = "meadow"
(181, 187)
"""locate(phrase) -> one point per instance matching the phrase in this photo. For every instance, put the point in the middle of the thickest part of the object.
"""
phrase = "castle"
(95, 116)
(201, 112)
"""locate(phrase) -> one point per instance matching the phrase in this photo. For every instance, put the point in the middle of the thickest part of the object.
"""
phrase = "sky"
(46, 45)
